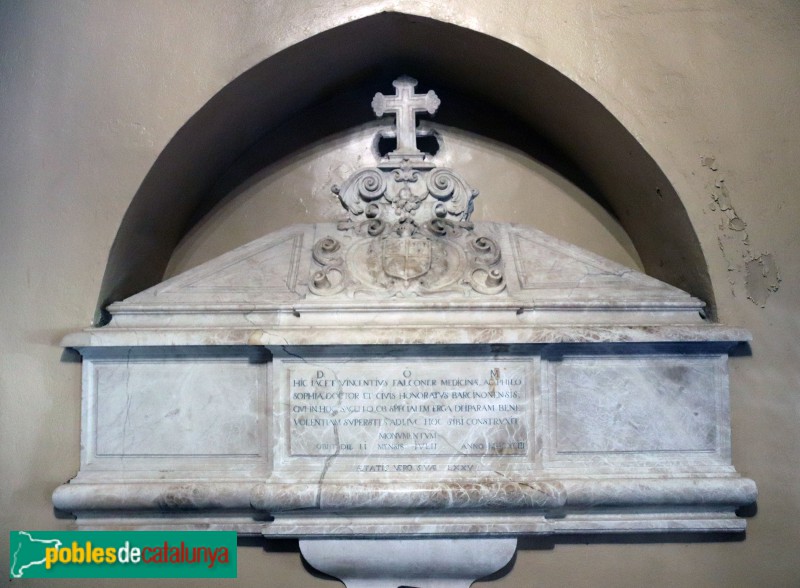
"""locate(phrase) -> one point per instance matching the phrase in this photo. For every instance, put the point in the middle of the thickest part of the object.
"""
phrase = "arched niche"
(514, 188)
(321, 86)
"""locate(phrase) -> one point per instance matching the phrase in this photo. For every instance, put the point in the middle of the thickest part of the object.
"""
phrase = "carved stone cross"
(405, 104)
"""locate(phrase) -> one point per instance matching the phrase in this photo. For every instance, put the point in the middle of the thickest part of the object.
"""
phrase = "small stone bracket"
(418, 563)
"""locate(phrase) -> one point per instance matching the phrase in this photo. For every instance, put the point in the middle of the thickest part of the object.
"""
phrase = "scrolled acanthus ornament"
(452, 191)
(363, 186)
(329, 279)
(487, 276)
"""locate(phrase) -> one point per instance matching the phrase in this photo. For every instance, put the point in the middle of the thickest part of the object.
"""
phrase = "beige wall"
(90, 93)
(513, 187)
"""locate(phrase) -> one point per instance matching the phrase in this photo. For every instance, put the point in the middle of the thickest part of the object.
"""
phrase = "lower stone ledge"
(268, 498)
(499, 524)
(377, 525)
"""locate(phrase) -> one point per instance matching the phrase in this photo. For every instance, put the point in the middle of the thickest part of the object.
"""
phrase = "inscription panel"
(452, 407)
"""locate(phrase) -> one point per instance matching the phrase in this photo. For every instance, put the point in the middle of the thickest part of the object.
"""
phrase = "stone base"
(417, 563)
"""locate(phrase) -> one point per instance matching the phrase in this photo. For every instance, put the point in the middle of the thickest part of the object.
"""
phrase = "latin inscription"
(361, 408)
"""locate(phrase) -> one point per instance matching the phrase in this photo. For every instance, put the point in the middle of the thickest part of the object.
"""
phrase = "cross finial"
(405, 104)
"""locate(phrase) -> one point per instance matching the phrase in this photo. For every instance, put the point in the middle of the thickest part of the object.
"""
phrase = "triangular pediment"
(551, 269)
(272, 266)
(264, 270)
(278, 270)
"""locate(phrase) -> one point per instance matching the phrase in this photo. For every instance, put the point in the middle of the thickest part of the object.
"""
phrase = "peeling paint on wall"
(762, 278)
(760, 272)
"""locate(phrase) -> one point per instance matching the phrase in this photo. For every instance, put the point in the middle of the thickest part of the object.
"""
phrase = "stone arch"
(322, 86)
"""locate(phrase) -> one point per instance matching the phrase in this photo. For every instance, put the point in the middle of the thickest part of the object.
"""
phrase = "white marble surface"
(422, 563)
(631, 404)
(582, 397)
(211, 407)
(444, 379)
(272, 275)
(507, 326)
(404, 407)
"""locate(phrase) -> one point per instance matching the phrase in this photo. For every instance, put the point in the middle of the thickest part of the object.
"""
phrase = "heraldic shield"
(406, 258)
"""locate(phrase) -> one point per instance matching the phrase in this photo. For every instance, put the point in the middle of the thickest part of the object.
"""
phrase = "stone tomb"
(408, 376)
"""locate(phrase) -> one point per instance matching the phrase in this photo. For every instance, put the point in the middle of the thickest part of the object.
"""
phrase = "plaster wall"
(90, 93)
(514, 188)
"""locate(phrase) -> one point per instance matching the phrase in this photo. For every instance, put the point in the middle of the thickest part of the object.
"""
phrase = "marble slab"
(633, 404)
(190, 410)
(451, 427)
(158, 408)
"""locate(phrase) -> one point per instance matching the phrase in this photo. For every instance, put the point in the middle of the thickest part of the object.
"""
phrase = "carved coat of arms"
(406, 257)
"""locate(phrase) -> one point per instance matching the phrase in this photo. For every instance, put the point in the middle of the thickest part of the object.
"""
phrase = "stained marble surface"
(443, 563)
(627, 404)
(355, 431)
(404, 407)
(275, 274)
(156, 408)
(315, 382)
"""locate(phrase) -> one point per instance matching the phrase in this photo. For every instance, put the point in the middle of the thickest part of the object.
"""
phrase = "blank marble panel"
(636, 404)
(178, 408)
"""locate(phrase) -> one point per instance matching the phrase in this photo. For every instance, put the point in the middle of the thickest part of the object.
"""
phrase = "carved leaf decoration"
(326, 251)
(487, 250)
(379, 104)
(432, 102)
(365, 185)
(448, 187)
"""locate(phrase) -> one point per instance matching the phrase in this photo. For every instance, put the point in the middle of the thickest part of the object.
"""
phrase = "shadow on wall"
(324, 85)
(530, 543)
